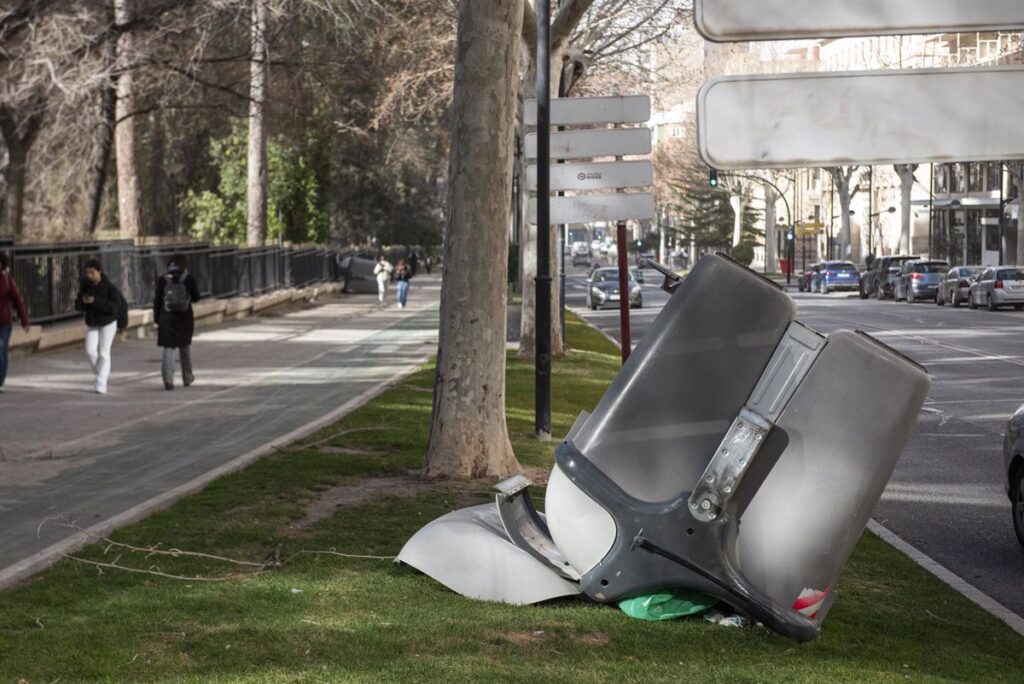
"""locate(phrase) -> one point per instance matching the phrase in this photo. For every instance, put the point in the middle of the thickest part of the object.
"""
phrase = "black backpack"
(176, 297)
(122, 309)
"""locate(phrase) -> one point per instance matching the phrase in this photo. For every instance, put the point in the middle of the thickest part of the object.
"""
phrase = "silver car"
(919, 280)
(956, 288)
(603, 289)
(1013, 466)
(998, 286)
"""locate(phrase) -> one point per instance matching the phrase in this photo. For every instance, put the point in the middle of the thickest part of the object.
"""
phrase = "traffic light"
(713, 178)
(790, 234)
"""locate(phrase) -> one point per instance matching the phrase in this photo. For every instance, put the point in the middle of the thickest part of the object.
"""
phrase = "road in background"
(947, 495)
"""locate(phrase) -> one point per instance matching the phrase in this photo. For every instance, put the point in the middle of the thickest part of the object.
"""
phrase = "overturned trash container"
(738, 454)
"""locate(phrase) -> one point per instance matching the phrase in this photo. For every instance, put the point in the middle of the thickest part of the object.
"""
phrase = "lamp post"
(871, 218)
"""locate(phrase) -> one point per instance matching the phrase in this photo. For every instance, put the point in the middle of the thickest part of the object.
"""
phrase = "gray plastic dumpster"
(737, 453)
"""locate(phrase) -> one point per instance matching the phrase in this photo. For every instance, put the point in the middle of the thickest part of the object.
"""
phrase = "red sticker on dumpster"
(810, 600)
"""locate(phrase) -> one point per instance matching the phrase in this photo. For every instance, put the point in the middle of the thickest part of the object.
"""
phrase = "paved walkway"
(67, 451)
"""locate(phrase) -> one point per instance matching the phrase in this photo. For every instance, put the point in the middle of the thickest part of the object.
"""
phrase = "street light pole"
(542, 358)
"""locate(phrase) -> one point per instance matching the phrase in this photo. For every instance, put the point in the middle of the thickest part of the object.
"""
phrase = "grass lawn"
(326, 618)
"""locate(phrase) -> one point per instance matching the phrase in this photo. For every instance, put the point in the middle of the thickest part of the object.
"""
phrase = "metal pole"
(627, 343)
(931, 207)
(871, 206)
(563, 231)
(543, 344)
(1001, 255)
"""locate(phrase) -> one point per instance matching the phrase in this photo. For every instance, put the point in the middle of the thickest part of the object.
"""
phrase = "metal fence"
(49, 275)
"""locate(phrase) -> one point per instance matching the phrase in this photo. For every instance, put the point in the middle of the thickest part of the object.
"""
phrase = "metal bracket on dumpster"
(671, 281)
(785, 371)
(526, 528)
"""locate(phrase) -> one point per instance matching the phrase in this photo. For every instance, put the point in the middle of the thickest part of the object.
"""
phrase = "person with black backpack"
(105, 312)
(176, 292)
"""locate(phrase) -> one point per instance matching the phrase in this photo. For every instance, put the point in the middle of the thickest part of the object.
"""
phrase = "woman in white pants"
(383, 271)
(99, 300)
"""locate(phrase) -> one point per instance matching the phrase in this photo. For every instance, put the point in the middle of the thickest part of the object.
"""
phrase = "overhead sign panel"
(589, 208)
(739, 20)
(585, 111)
(608, 142)
(596, 175)
(875, 117)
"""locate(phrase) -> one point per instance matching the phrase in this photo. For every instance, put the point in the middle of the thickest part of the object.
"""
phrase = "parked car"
(807, 278)
(998, 286)
(603, 289)
(920, 280)
(357, 270)
(880, 278)
(644, 257)
(581, 258)
(834, 276)
(1013, 466)
(956, 286)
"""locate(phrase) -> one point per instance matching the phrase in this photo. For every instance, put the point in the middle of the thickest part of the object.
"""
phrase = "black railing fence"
(48, 274)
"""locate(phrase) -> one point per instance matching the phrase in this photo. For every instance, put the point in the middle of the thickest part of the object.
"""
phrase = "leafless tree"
(842, 177)
(906, 175)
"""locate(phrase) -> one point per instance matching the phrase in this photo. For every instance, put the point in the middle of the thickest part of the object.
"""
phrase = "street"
(946, 496)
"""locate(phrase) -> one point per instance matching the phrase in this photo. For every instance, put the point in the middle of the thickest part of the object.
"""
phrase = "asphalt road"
(946, 496)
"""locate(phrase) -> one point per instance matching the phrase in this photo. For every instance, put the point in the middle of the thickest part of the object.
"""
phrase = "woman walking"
(99, 300)
(176, 292)
(403, 274)
(10, 299)
(383, 271)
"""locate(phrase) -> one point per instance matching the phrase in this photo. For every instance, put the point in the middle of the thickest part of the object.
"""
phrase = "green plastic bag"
(666, 605)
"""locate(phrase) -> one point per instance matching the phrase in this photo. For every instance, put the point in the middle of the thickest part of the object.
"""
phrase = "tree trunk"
(468, 433)
(18, 137)
(104, 142)
(842, 177)
(736, 202)
(256, 195)
(129, 197)
(906, 174)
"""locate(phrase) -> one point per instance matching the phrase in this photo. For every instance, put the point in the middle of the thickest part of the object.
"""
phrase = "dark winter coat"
(103, 311)
(10, 299)
(175, 327)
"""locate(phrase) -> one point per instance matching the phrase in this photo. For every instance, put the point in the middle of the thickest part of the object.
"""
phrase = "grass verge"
(322, 617)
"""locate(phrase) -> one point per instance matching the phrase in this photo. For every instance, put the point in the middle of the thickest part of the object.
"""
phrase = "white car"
(998, 286)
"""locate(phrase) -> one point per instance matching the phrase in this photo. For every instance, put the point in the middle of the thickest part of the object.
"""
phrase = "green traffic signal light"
(713, 178)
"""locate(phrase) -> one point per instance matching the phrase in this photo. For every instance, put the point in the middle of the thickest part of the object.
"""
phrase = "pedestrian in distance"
(403, 274)
(105, 311)
(10, 300)
(428, 263)
(414, 262)
(383, 271)
(175, 293)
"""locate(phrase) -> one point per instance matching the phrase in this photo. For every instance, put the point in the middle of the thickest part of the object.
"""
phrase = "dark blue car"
(834, 276)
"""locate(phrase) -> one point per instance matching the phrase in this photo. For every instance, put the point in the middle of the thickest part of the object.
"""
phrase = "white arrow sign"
(588, 208)
(582, 111)
(880, 117)
(739, 20)
(596, 175)
(608, 142)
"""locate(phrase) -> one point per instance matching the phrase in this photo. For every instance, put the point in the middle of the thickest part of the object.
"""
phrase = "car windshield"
(609, 275)
(930, 268)
(1010, 274)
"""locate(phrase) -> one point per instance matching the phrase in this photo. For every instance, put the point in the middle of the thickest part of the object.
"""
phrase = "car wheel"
(970, 301)
(879, 293)
(991, 305)
(939, 300)
(861, 292)
(954, 297)
(909, 299)
(1017, 502)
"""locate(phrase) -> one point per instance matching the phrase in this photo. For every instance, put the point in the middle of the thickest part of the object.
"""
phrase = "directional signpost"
(874, 117)
(582, 177)
(741, 20)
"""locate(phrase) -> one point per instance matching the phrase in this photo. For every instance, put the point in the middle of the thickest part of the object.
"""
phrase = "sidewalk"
(65, 451)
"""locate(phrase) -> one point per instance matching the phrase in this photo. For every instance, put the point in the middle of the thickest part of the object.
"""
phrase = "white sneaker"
(101, 390)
